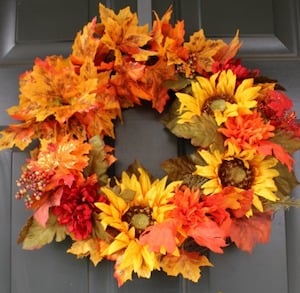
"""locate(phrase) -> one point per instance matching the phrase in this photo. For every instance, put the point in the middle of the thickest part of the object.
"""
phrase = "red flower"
(77, 206)
(276, 107)
(237, 68)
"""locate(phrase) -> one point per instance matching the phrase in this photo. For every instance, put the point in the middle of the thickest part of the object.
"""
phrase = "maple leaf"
(90, 247)
(167, 40)
(153, 82)
(209, 234)
(122, 33)
(160, 237)
(19, 135)
(34, 236)
(188, 264)
(247, 232)
(85, 43)
(129, 87)
(54, 89)
(228, 52)
(203, 51)
(63, 154)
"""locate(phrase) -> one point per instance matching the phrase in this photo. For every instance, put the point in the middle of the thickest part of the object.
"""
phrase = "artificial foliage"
(240, 125)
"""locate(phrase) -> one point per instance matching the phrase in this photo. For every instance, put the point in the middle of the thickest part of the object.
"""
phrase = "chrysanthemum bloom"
(251, 132)
(76, 207)
(242, 170)
(247, 131)
(134, 204)
(219, 96)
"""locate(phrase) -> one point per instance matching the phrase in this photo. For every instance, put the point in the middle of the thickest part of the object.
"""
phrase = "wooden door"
(269, 30)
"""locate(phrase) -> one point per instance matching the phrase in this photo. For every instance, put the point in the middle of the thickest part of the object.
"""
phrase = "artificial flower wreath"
(226, 191)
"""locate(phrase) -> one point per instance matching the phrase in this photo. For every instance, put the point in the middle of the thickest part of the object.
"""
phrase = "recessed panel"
(225, 17)
(55, 20)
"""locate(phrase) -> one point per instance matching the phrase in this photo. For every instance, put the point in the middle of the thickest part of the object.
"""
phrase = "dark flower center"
(216, 103)
(234, 173)
(138, 217)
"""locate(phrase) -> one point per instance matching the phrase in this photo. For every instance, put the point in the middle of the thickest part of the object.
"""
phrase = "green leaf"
(97, 160)
(133, 169)
(182, 168)
(177, 84)
(201, 130)
(285, 182)
(35, 236)
(287, 140)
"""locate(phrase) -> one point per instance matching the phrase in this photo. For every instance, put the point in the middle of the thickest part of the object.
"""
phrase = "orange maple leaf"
(168, 40)
(209, 234)
(188, 264)
(85, 44)
(160, 237)
(247, 232)
(153, 80)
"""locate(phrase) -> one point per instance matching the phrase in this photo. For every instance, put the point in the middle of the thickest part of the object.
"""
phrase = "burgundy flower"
(76, 208)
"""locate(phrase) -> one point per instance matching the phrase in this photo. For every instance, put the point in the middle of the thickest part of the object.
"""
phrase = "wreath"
(239, 124)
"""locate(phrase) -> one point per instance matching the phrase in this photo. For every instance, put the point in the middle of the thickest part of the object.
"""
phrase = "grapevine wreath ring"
(240, 123)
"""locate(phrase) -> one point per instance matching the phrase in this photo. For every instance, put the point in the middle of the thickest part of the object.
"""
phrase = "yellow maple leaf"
(85, 43)
(91, 247)
(123, 35)
(53, 88)
(203, 51)
(228, 51)
(188, 264)
(19, 135)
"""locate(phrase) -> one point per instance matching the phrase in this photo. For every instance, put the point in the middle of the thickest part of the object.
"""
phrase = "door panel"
(31, 28)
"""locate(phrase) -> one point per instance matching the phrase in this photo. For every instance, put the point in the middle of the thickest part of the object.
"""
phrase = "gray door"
(269, 30)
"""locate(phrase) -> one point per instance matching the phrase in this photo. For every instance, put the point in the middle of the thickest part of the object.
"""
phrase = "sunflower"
(241, 169)
(219, 96)
(134, 204)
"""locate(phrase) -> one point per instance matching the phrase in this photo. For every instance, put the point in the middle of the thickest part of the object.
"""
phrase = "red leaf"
(41, 214)
(247, 232)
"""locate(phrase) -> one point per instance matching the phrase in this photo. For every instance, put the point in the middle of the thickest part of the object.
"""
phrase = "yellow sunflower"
(218, 95)
(242, 170)
(134, 204)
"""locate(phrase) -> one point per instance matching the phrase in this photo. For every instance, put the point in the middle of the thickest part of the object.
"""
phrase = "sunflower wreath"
(240, 125)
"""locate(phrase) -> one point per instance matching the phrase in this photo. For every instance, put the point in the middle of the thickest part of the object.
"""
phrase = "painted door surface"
(269, 30)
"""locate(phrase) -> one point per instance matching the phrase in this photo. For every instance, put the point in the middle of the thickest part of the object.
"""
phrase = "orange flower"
(247, 131)
(194, 219)
(251, 132)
